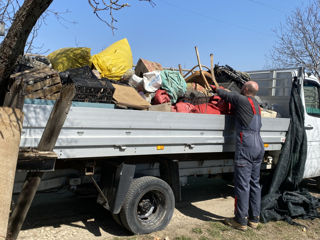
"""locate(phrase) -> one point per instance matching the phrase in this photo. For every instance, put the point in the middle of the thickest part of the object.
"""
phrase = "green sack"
(174, 84)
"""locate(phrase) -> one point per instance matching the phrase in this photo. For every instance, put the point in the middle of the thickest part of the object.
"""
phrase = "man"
(249, 153)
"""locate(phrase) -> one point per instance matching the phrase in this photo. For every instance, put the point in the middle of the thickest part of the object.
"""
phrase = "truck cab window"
(312, 98)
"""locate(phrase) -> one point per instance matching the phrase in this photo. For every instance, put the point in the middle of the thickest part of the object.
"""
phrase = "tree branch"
(298, 41)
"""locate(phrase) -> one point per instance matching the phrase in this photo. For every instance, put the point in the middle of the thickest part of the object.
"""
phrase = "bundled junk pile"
(109, 77)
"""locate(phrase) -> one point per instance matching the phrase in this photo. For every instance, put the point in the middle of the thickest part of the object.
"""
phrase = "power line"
(214, 18)
(265, 5)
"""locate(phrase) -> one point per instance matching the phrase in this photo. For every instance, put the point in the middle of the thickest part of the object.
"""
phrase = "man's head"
(250, 88)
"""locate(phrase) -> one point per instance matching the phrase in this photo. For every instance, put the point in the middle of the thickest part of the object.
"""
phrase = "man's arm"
(232, 97)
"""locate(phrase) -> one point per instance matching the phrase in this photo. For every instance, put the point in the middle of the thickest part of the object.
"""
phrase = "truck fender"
(115, 181)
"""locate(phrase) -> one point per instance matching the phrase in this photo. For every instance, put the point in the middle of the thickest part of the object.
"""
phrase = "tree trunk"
(14, 42)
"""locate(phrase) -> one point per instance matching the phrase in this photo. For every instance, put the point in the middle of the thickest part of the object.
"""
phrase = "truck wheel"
(148, 206)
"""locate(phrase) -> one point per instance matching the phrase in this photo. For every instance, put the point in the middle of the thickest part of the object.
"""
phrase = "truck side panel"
(93, 132)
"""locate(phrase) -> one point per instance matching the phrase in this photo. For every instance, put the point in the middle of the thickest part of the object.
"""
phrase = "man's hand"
(214, 88)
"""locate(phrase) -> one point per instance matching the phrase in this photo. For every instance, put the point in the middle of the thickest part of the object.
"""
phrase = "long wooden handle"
(180, 69)
(201, 72)
(212, 71)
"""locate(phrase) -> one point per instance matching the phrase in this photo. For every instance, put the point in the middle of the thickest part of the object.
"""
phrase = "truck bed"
(90, 131)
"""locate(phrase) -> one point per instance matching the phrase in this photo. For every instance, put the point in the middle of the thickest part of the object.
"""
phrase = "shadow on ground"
(65, 208)
(201, 189)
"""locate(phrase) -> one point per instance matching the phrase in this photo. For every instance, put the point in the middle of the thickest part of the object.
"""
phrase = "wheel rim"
(151, 208)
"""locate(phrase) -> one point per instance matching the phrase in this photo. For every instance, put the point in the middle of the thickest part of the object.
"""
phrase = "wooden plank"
(39, 83)
(54, 96)
(34, 73)
(45, 92)
(35, 154)
(14, 97)
(31, 80)
(10, 131)
(57, 117)
(42, 84)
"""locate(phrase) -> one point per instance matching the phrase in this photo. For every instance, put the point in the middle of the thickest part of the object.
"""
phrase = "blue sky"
(238, 32)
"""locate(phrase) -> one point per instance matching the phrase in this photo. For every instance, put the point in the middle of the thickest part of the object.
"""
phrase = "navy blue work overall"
(248, 157)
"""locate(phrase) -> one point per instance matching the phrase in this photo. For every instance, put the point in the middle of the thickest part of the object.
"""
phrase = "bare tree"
(8, 9)
(24, 17)
(298, 40)
(108, 8)
(13, 44)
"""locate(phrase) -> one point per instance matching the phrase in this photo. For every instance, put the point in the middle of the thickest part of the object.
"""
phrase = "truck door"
(312, 125)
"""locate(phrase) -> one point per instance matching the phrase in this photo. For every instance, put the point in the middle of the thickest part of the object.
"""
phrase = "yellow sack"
(66, 58)
(114, 61)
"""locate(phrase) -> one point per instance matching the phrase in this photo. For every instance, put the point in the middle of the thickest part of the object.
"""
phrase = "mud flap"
(115, 180)
(169, 172)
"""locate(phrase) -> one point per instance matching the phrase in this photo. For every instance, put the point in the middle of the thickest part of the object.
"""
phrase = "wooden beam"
(34, 154)
(47, 142)
(201, 71)
(10, 131)
(34, 73)
(180, 69)
(42, 84)
(212, 72)
(14, 97)
(43, 93)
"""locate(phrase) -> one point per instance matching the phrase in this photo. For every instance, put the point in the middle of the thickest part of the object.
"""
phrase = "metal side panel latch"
(121, 148)
(190, 146)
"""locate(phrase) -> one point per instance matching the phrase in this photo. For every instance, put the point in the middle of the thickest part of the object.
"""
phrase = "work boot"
(253, 222)
(233, 223)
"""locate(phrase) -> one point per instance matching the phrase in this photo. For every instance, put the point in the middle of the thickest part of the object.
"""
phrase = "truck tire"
(148, 206)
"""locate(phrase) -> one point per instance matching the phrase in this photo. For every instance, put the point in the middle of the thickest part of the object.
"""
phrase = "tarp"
(174, 84)
(285, 198)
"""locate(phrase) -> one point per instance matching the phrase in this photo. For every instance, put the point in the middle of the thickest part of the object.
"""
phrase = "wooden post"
(201, 71)
(180, 69)
(10, 131)
(212, 71)
(47, 143)
(11, 119)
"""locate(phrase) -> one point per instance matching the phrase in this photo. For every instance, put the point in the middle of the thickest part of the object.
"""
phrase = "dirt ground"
(65, 216)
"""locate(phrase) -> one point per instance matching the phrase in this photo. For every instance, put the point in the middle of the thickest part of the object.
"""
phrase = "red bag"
(161, 97)
(184, 107)
(215, 106)
(207, 108)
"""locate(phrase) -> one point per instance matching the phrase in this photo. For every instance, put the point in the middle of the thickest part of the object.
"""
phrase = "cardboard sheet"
(128, 96)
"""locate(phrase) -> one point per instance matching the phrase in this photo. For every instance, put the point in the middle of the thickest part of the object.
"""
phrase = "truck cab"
(275, 88)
